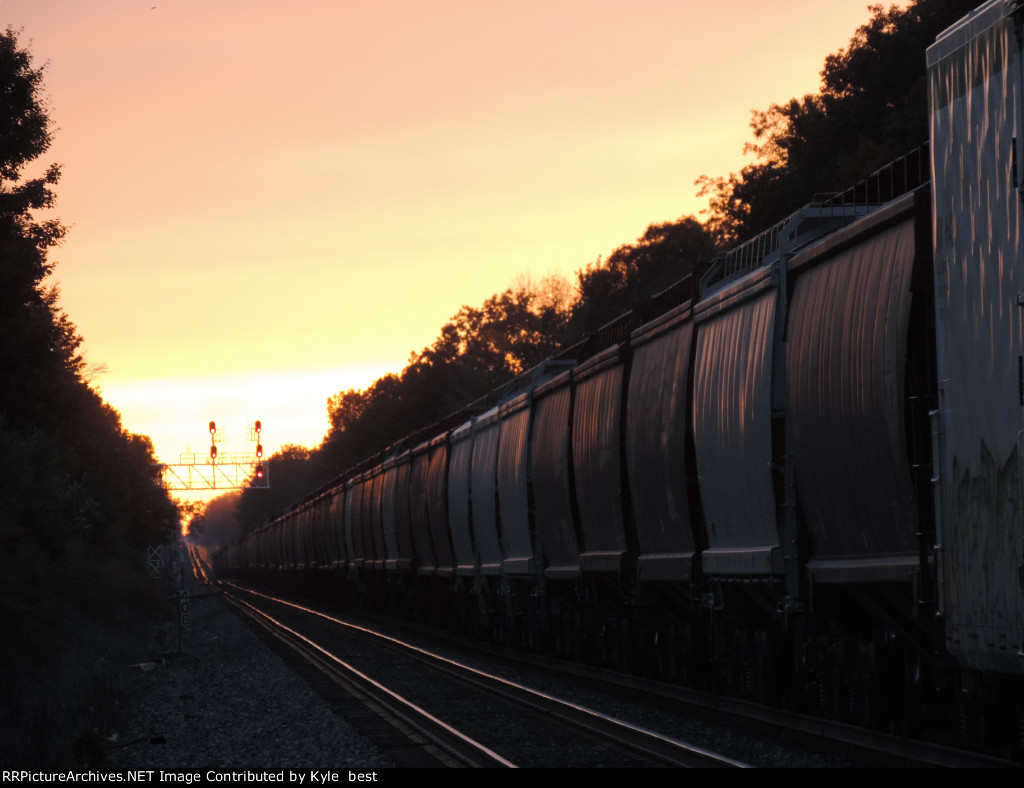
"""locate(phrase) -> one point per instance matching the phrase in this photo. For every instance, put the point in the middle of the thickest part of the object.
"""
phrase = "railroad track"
(432, 710)
(766, 736)
(861, 746)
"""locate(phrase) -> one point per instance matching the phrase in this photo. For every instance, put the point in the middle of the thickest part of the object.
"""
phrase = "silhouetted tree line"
(80, 498)
(214, 523)
(872, 108)
(477, 351)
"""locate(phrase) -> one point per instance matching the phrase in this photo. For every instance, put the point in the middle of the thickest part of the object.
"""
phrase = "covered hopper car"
(798, 478)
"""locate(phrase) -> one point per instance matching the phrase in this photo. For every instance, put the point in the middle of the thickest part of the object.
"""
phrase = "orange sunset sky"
(271, 202)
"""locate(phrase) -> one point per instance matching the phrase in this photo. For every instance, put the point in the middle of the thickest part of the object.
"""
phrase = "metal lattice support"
(230, 474)
(226, 471)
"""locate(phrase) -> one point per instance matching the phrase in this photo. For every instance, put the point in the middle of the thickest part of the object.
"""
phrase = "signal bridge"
(224, 471)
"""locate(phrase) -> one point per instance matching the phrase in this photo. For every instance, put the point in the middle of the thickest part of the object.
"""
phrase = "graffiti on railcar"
(986, 555)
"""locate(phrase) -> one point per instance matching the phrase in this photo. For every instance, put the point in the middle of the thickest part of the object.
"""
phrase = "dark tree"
(216, 523)
(663, 255)
(872, 108)
(40, 344)
(294, 472)
(79, 496)
(478, 350)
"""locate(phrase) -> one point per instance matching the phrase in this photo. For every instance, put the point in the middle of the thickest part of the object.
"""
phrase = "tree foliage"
(79, 496)
(478, 350)
(663, 255)
(216, 523)
(872, 108)
(294, 472)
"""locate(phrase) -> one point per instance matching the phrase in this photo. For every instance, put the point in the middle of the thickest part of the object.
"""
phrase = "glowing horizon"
(182, 407)
(263, 190)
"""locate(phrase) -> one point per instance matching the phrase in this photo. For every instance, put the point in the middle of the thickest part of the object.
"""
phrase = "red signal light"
(213, 427)
(259, 471)
(259, 449)
(259, 426)
(213, 452)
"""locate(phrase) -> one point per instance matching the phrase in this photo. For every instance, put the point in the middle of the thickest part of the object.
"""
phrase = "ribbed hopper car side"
(659, 465)
(419, 517)
(597, 417)
(519, 560)
(483, 467)
(801, 479)
(460, 504)
(551, 457)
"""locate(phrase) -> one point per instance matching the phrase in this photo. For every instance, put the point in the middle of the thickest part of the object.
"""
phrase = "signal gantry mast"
(220, 471)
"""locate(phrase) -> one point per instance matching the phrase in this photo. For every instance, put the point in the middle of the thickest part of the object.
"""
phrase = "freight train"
(797, 478)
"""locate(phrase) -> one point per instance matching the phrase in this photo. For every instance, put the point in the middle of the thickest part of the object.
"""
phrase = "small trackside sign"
(184, 608)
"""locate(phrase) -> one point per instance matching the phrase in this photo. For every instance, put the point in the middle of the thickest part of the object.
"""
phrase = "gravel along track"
(519, 727)
(229, 701)
(741, 739)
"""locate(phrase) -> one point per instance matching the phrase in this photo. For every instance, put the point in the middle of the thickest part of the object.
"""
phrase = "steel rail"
(446, 744)
(672, 751)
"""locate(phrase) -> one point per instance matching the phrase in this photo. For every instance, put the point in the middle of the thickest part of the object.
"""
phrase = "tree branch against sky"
(80, 499)
(871, 109)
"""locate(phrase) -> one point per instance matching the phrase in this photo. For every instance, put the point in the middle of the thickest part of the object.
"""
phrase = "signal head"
(213, 427)
(259, 427)
(259, 449)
